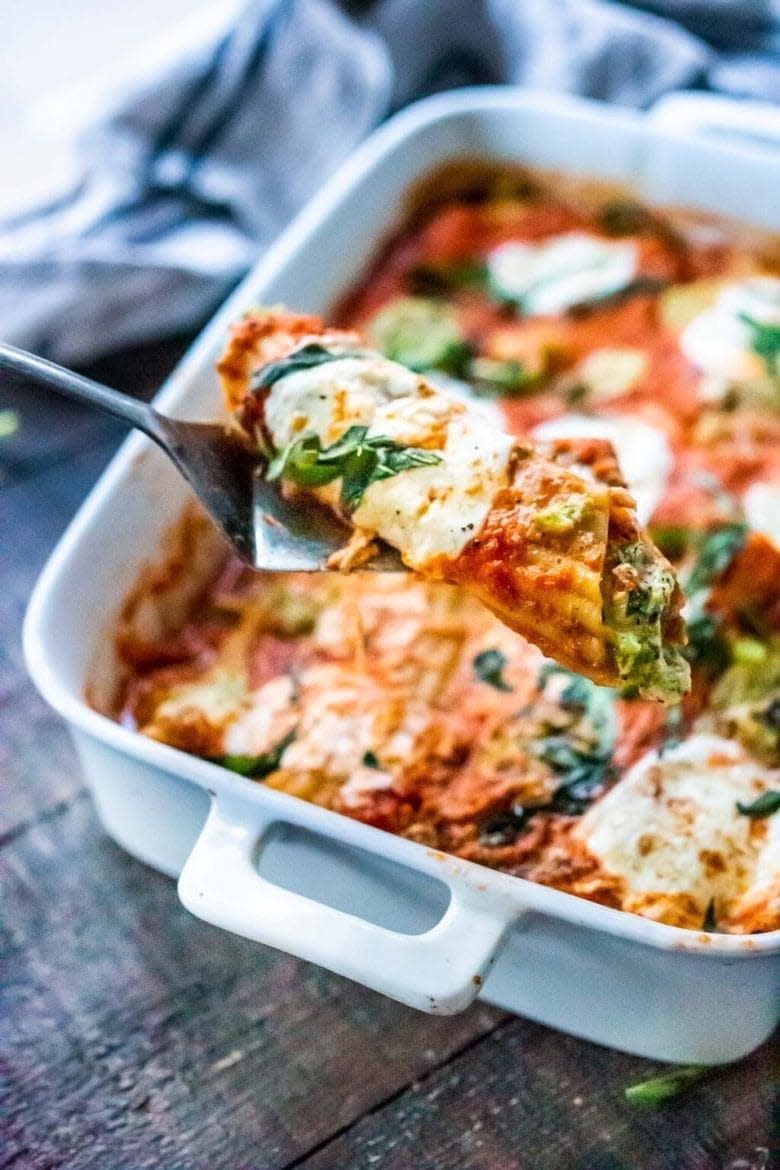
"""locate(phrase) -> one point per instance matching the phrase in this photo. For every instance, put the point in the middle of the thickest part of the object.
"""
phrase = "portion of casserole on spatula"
(544, 534)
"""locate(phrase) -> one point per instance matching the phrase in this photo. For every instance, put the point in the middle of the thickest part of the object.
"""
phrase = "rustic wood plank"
(135, 1035)
(527, 1098)
(37, 763)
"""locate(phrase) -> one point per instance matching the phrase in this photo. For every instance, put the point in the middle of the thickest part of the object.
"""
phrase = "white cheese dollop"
(671, 826)
(570, 269)
(642, 451)
(761, 504)
(718, 341)
(427, 511)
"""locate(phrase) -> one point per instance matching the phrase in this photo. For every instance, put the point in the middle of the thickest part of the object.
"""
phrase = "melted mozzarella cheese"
(642, 451)
(363, 782)
(718, 340)
(569, 270)
(761, 503)
(328, 399)
(671, 826)
(256, 729)
(427, 511)
(435, 510)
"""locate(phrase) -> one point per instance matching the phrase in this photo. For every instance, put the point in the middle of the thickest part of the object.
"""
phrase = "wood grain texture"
(527, 1098)
(131, 1027)
(37, 762)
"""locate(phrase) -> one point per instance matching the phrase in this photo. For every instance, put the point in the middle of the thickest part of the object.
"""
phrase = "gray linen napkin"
(185, 184)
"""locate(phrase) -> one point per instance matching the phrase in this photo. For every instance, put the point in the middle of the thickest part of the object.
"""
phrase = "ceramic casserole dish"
(428, 929)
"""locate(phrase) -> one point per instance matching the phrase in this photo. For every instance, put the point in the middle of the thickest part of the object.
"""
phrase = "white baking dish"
(428, 929)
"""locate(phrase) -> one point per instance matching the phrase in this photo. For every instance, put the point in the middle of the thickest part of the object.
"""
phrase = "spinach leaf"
(716, 553)
(581, 756)
(357, 459)
(710, 922)
(304, 358)
(707, 647)
(503, 828)
(765, 341)
(660, 1089)
(582, 773)
(584, 762)
(489, 666)
(428, 279)
(763, 806)
(671, 539)
(258, 767)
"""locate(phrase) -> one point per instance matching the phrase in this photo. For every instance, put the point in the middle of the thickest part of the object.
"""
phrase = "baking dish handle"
(440, 971)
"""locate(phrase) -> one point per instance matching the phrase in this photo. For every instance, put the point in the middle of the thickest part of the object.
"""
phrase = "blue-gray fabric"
(185, 185)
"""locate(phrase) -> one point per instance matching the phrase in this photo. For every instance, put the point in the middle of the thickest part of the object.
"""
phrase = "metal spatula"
(266, 531)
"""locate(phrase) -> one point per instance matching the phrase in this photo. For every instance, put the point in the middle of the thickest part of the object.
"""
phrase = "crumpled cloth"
(187, 182)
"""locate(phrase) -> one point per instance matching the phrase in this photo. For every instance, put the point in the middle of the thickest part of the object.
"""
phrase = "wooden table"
(133, 1035)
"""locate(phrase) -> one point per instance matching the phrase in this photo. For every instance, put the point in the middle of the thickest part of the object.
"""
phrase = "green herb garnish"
(489, 666)
(580, 756)
(763, 806)
(710, 922)
(305, 358)
(765, 341)
(258, 767)
(707, 647)
(660, 1089)
(716, 553)
(437, 279)
(371, 760)
(671, 539)
(624, 217)
(356, 459)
